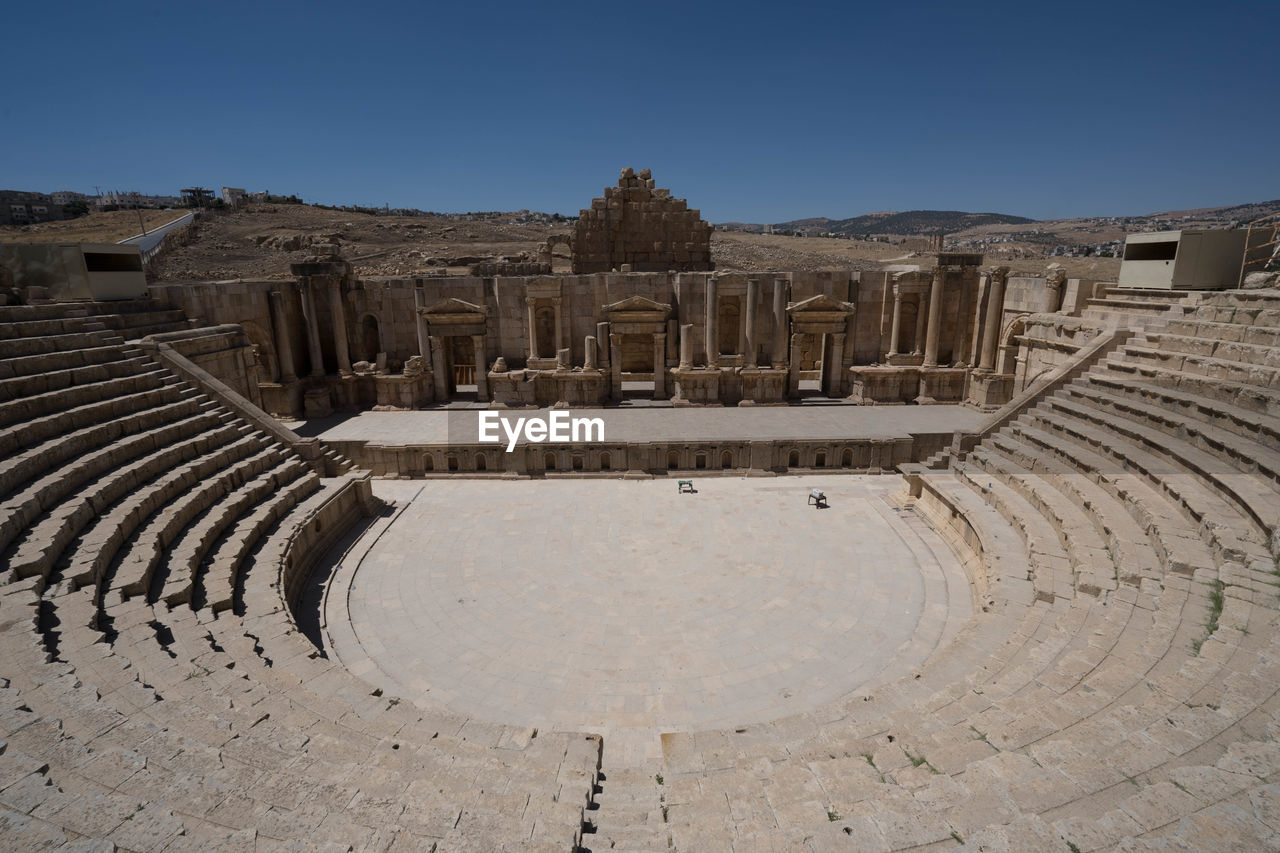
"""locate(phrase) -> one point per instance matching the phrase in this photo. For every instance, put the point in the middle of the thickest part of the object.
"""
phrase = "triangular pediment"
(820, 303)
(454, 306)
(637, 303)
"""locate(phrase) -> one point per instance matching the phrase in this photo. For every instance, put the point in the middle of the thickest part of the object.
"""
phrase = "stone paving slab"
(759, 423)
(627, 609)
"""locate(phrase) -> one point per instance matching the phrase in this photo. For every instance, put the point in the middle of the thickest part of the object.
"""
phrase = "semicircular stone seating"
(155, 692)
(1117, 687)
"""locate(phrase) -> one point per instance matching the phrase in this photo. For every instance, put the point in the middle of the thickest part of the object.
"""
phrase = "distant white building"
(67, 197)
(234, 196)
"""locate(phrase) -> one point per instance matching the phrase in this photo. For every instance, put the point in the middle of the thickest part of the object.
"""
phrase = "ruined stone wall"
(641, 225)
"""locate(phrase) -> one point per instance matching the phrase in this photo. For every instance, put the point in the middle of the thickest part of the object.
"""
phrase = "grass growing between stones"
(1216, 600)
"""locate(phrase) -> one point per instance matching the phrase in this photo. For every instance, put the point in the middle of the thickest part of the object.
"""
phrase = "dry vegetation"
(261, 241)
(109, 227)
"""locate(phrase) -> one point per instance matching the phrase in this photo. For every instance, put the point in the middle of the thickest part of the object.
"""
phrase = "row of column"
(930, 330)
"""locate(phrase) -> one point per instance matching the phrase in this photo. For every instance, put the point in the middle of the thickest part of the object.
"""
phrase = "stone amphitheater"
(1112, 684)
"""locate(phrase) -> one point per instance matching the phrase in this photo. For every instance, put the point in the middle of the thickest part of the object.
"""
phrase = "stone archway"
(547, 255)
(1007, 358)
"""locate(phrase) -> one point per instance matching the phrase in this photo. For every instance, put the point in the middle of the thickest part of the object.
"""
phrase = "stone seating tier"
(1119, 685)
(156, 691)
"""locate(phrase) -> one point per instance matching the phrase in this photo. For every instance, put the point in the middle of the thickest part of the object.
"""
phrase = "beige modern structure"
(67, 272)
(1183, 260)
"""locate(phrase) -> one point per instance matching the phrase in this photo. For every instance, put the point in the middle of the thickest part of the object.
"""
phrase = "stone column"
(533, 329)
(896, 326)
(339, 315)
(957, 342)
(922, 314)
(313, 330)
(589, 353)
(749, 329)
(995, 308)
(686, 346)
(834, 370)
(659, 365)
(615, 366)
(602, 335)
(482, 368)
(1053, 290)
(793, 366)
(562, 340)
(710, 329)
(284, 348)
(779, 352)
(424, 345)
(438, 368)
(935, 318)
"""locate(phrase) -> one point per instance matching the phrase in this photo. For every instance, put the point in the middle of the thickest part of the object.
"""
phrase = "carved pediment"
(820, 304)
(454, 307)
(637, 304)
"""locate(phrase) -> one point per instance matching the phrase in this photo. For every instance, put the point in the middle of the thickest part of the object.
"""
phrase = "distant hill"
(893, 222)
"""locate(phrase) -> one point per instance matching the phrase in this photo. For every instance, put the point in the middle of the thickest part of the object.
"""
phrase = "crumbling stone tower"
(637, 224)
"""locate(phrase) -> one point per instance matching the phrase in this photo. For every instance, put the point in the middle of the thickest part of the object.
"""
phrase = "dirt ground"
(109, 227)
(261, 241)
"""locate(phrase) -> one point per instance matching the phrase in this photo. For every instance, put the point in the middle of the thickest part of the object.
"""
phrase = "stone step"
(1237, 452)
(68, 359)
(1172, 456)
(88, 559)
(23, 409)
(186, 554)
(40, 518)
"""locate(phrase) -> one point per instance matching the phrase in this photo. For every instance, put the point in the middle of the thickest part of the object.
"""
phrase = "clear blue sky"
(757, 112)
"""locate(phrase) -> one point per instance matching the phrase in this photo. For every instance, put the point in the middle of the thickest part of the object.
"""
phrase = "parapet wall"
(730, 458)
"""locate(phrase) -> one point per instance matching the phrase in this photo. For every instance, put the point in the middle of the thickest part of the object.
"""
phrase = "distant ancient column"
(793, 366)
(482, 368)
(980, 294)
(659, 365)
(615, 365)
(1054, 282)
(602, 335)
(922, 314)
(686, 346)
(533, 329)
(589, 353)
(833, 370)
(284, 348)
(710, 327)
(313, 329)
(749, 330)
(339, 316)
(935, 317)
(438, 368)
(778, 356)
(957, 342)
(424, 345)
(896, 326)
(995, 308)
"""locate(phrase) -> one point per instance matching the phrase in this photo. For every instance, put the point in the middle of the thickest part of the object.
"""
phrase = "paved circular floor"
(601, 604)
